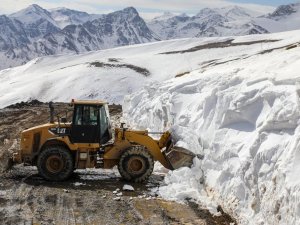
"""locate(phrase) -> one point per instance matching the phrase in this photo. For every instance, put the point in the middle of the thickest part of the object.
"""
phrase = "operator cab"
(91, 123)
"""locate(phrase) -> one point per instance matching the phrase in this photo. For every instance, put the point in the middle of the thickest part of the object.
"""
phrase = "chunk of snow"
(128, 187)
(78, 184)
(66, 191)
(116, 191)
(117, 198)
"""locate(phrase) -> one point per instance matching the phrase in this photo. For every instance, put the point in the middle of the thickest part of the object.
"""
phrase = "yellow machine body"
(104, 153)
(123, 141)
(33, 141)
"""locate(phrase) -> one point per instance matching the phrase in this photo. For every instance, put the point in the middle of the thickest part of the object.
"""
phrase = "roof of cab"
(88, 102)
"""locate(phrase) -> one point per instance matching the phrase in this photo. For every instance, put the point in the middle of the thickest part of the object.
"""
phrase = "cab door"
(85, 126)
(105, 127)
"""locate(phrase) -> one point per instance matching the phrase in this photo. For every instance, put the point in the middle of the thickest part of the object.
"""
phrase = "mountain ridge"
(34, 31)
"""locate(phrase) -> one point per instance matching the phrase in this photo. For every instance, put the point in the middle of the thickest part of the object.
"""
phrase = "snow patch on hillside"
(113, 73)
(245, 114)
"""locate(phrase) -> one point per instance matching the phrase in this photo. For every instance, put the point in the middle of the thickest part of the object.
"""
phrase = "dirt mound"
(24, 104)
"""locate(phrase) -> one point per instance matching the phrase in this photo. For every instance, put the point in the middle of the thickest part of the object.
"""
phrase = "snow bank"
(110, 74)
(245, 114)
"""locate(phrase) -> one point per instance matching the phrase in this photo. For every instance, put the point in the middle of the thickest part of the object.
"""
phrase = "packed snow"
(242, 114)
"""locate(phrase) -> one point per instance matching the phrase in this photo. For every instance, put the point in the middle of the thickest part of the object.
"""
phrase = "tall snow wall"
(245, 115)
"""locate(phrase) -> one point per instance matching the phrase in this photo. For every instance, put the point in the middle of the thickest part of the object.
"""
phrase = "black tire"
(55, 163)
(136, 164)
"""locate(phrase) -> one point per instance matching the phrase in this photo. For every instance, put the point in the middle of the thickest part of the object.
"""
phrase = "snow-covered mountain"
(284, 18)
(236, 97)
(164, 16)
(33, 16)
(34, 32)
(119, 28)
(285, 11)
(208, 22)
(64, 17)
(232, 20)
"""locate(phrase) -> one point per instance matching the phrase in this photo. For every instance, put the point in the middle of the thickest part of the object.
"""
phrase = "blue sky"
(147, 8)
(265, 2)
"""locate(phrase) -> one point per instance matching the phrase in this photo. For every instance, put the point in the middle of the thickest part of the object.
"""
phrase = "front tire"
(55, 163)
(136, 164)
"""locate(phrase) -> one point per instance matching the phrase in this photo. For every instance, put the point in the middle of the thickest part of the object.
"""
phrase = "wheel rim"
(54, 164)
(136, 165)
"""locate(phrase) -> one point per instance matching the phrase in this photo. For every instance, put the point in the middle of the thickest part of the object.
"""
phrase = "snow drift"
(243, 115)
(111, 74)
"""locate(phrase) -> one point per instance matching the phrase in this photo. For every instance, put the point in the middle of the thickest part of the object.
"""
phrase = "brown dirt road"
(89, 197)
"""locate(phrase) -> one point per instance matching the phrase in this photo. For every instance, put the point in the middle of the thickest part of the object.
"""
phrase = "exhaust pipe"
(51, 112)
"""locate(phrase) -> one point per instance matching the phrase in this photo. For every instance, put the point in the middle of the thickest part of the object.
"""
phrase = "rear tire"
(55, 163)
(136, 164)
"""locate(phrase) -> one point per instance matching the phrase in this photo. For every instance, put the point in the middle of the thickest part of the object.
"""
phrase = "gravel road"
(93, 196)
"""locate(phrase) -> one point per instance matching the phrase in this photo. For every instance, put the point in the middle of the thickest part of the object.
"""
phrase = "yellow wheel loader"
(88, 141)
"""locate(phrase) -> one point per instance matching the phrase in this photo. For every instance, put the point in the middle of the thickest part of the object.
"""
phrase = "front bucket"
(179, 157)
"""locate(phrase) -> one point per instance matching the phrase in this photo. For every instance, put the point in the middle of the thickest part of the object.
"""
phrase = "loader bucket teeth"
(179, 157)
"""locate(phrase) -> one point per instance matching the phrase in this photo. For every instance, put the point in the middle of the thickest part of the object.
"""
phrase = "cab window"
(86, 115)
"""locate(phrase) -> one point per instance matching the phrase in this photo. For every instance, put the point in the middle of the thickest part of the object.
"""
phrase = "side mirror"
(63, 120)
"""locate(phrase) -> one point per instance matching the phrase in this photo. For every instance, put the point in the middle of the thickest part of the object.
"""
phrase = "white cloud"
(146, 7)
(11, 6)
(149, 16)
(174, 5)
